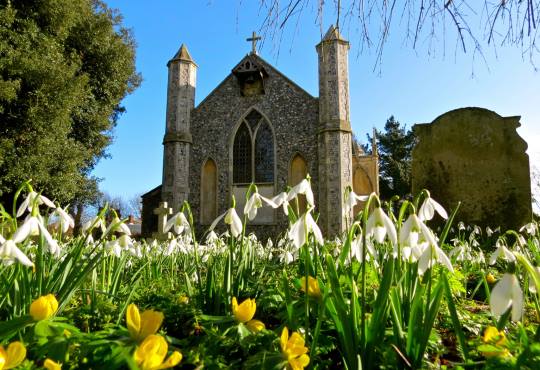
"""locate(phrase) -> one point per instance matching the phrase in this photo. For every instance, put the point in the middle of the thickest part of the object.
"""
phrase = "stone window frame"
(253, 137)
(209, 158)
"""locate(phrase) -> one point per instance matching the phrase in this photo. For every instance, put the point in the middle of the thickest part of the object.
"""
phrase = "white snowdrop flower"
(32, 226)
(31, 199)
(532, 286)
(412, 229)
(231, 219)
(351, 199)
(477, 230)
(302, 227)
(255, 202)
(357, 249)
(489, 232)
(379, 225)
(303, 187)
(117, 225)
(280, 200)
(429, 207)
(531, 228)
(212, 237)
(65, 221)
(503, 252)
(94, 223)
(9, 252)
(430, 254)
(506, 293)
(461, 226)
(178, 223)
(286, 257)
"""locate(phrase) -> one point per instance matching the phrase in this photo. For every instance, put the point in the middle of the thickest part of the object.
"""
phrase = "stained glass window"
(253, 119)
(264, 154)
(242, 156)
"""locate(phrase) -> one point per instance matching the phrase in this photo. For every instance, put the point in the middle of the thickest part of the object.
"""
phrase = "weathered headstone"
(162, 213)
(475, 156)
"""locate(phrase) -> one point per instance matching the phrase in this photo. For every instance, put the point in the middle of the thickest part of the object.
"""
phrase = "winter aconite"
(44, 307)
(150, 355)
(142, 325)
(13, 356)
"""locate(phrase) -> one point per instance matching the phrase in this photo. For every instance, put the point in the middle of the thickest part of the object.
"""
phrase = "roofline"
(266, 64)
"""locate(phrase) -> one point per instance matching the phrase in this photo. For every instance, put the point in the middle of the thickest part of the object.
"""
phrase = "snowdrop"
(506, 293)
(429, 207)
(379, 226)
(117, 225)
(303, 187)
(357, 250)
(503, 252)
(302, 227)
(9, 252)
(531, 228)
(413, 229)
(280, 200)
(32, 226)
(178, 223)
(65, 221)
(94, 223)
(254, 203)
(432, 253)
(351, 199)
(231, 219)
(32, 199)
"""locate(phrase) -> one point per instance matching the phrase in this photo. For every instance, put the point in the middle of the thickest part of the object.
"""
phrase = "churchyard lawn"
(393, 292)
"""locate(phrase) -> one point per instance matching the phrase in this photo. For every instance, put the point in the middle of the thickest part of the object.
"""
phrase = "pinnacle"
(332, 34)
(183, 54)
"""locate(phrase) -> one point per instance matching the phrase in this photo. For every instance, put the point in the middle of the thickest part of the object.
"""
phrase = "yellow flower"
(183, 299)
(151, 353)
(142, 325)
(312, 288)
(13, 356)
(495, 338)
(255, 325)
(294, 350)
(44, 307)
(51, 365)
(490, 278)
(244, 311)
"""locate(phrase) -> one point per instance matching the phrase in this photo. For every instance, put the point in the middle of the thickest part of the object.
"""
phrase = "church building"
(258, 126)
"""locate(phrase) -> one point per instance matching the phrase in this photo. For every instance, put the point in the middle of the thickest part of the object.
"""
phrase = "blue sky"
(409, 84)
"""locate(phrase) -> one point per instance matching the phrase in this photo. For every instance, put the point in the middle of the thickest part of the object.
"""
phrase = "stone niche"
(475, 156)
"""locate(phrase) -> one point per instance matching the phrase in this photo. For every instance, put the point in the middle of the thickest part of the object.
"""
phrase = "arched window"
(264, 154)
(253, 155)
(297, 173)
(242, 156)
(208, 205)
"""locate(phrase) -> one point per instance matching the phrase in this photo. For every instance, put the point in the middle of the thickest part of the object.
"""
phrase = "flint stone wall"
(475, 156)
(293, 115)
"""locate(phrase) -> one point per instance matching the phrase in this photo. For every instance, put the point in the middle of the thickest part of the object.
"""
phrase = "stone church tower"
(335, 160)
(258, 126)
(177, 140)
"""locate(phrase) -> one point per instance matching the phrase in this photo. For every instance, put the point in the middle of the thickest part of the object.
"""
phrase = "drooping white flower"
(351, 199)
(357, 249)
(303, 187)
(503, 252)
(178, 223)
(255, 202)
(429, 207)
(117, 225)
(302, 227)
(532, 285)
(231, 219)
(432, 253)
(65, 221)
(379, 225)
(9, 252)
(212, 237)
(31, 199)
(506, 293)
(281, 200)
(33, 225)
(531, 228)
(93, 223)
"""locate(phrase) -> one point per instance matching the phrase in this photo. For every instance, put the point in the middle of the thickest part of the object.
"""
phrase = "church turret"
(177, 140)
(335, 160)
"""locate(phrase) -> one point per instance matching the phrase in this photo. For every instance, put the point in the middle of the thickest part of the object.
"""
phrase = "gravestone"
(475, 156)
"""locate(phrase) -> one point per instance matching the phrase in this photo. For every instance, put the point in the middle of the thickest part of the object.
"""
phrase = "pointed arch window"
(253, 151)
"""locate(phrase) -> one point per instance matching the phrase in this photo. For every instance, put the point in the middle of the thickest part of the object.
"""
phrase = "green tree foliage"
(394, 145)
(65, 66)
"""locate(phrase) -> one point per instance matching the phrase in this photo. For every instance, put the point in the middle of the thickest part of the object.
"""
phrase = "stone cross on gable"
(163, 211)
(254, 38)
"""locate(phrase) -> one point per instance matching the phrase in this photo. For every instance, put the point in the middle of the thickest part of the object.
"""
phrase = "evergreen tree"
(65, 66)
(395, 146)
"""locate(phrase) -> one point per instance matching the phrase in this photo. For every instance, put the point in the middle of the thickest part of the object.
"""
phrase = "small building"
(258, 126)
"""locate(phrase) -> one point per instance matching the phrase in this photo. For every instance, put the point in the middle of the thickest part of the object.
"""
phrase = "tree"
(471, 24)
(395, 146)
(65, 66)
